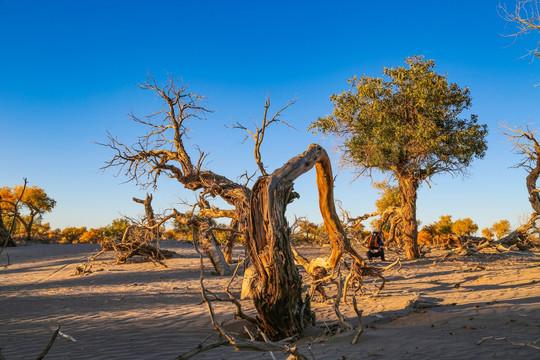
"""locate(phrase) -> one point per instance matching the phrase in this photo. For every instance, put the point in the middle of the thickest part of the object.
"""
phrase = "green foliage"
(116, 228)
(444, 225)
(407, 123)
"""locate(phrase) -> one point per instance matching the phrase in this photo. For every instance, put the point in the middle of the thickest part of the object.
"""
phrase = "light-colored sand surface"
(139, 311)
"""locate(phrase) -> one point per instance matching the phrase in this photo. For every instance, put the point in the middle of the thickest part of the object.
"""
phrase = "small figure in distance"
(375, 246)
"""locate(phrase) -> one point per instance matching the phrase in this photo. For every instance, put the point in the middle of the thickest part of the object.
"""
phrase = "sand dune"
(430, 309)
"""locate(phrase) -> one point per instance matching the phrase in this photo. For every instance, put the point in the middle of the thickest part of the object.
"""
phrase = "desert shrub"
(91, 236)
(71, 235)
(425, 237)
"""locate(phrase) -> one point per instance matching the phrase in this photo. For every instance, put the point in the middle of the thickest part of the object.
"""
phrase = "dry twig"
(49, 345)
(508, 341)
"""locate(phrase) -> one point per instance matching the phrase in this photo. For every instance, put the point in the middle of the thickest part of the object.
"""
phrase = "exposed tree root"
(229, 339)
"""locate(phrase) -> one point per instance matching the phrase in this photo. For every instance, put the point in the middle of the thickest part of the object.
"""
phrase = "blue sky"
(69, 69)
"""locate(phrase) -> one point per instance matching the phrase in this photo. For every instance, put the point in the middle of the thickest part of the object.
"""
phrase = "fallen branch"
(508, 341)
(49, 345)
(200, 348)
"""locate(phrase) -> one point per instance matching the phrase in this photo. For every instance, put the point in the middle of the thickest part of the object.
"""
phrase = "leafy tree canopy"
(407, 123)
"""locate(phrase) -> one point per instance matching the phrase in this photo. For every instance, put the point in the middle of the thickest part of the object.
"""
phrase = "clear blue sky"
(69, 69)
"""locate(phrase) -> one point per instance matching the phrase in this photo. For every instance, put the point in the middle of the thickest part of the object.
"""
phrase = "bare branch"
(258, 134)
(525, 18)
(525, 143)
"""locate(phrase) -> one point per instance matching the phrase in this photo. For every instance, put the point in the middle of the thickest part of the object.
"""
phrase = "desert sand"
(429, 309)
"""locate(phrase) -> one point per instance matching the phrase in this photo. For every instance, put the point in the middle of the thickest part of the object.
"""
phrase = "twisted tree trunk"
(393, 215)
(277, 290)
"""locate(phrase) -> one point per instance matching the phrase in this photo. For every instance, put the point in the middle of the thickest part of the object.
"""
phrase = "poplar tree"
(408, 124)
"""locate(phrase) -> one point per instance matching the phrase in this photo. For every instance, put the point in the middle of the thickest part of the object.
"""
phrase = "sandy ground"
(140, 311)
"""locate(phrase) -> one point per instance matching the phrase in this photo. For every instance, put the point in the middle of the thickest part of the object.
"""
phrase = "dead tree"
(136, 241)
(525, 143)
(523, 19)
(150, 218)
(260, 211)
(202, 223)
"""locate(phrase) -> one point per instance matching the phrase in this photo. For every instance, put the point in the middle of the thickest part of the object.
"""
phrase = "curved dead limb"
(394, 215)
(268, 242)
(349, 221)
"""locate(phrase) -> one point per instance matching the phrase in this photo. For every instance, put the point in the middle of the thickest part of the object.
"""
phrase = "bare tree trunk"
(207, 240)
(212, 249)
(277, 289)
(149, 212)
(28, 228)
(407, 189)
(231, 236)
